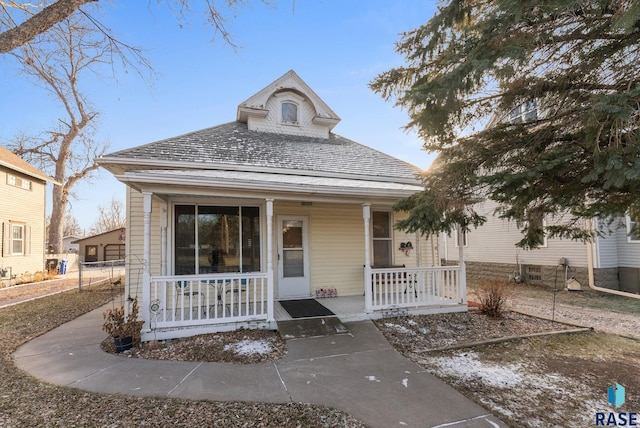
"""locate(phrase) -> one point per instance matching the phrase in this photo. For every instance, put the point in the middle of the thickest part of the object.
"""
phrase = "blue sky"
(336, 46)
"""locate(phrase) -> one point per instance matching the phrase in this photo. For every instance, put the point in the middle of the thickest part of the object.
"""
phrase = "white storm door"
(293, 257)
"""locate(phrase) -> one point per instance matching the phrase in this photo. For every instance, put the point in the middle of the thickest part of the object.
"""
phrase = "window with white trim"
(17, 239)
(289, 113)
(540, 224)
(464, 238)
(633, 220)
(16, 181)
(525, 112)
(212, 239)
(382, 238)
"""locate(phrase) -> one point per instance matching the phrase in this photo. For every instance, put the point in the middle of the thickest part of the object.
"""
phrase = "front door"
(293, 257)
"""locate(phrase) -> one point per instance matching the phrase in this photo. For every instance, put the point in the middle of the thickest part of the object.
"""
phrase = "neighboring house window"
(540, 224)
(633, 220)
(381, 238)
(210, 239)
(17, 239)
(525, 112)
(464, 238)
(289, 112)
(15, 181)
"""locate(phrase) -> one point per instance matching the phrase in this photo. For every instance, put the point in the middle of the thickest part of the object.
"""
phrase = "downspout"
(591, 275)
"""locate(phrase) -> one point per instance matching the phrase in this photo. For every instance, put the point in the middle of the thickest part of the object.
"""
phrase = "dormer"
(288, 106)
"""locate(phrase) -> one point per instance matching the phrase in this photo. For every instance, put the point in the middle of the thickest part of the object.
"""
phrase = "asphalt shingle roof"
(233, 144)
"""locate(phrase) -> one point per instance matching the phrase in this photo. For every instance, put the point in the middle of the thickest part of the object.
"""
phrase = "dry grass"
(27, 402)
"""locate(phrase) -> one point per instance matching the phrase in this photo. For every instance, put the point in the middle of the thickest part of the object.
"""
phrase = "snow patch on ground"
(467, 366)
(400, 329)
(250, 347)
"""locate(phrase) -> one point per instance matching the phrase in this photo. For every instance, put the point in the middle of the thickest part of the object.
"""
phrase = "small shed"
(105, 246)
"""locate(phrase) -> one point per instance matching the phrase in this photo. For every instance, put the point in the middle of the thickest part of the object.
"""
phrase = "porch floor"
(351, 309)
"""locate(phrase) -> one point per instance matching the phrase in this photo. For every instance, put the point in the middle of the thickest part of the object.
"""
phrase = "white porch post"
(270, 279)
(146, 269)
(366, 215)
(463, 269)
(163, 237)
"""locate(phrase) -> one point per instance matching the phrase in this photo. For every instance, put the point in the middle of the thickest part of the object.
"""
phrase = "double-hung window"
(382, 250)
(17, 239)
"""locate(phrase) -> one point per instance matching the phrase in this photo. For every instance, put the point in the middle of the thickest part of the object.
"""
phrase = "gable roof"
(14, 162)
(256, 104)
(232, 146)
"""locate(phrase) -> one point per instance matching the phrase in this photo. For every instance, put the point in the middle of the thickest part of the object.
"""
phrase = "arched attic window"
(289, 112)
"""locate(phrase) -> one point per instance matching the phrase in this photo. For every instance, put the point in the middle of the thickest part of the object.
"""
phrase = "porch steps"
(310, 327)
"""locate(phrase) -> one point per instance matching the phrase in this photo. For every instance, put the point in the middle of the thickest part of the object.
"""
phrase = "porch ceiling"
(258, 184)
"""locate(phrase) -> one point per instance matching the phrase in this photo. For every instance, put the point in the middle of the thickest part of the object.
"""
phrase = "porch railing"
(415, 287)
(199, 300)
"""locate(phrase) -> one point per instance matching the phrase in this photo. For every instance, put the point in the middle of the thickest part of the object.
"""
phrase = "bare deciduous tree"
(109, 218)
(22, 21)
(56, 44)
(67, 150)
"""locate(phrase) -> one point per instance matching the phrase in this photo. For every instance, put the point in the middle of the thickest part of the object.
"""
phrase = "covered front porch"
(197, 304)
(329, 242)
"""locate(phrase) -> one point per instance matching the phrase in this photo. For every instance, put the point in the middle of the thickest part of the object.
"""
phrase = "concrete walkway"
(359, 373)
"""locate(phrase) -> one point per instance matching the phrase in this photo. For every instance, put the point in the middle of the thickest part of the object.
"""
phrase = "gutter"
(592, 284)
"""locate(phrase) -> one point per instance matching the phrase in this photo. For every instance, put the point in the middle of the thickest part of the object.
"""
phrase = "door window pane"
(292, 234)
(293, 263)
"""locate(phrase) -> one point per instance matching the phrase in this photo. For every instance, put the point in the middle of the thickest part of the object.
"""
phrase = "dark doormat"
(310, 327)
(305, 308)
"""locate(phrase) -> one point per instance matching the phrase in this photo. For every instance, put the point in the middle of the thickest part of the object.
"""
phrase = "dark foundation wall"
(629, 279)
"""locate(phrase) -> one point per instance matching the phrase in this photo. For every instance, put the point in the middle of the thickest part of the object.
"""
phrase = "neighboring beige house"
(225, 222)
(22, 216)
(611, 261)
(106, 246)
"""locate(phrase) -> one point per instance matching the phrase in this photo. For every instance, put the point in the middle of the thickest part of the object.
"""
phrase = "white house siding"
(135, 240)
(628, 252)
(337, 245)
(272, 123)
(491, 252)
(336, 235)
(607, 250)
(426, 252)
(23, 207)
(628, 262)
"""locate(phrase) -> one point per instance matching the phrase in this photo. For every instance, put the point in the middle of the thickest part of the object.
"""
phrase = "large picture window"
(212, 239)
(381, 238)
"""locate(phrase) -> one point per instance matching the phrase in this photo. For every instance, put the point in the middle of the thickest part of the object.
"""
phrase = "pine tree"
(473, 63)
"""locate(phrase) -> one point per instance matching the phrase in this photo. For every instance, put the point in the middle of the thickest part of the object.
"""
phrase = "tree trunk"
(56, 227)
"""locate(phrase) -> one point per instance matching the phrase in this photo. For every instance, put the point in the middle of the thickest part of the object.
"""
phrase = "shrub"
(493, 298)
(117, 324)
